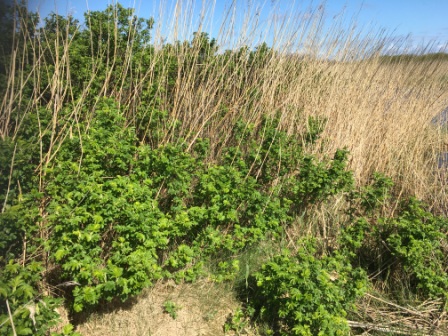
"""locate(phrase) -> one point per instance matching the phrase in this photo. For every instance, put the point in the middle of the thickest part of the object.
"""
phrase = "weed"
(170, 308)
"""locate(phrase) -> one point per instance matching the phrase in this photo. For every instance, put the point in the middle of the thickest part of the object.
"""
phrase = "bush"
(32, 312)
(401, 240)
(304, 294)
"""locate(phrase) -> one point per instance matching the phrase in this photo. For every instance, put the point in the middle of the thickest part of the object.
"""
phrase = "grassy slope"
(379, 108)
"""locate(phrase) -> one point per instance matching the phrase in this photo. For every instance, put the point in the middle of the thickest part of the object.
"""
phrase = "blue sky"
(422, 21)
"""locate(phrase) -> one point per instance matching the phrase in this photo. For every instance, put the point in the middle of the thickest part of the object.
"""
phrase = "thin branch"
(413, 312)
(10, 318)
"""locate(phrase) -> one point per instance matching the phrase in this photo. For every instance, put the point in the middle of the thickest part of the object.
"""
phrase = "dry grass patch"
(201, 309)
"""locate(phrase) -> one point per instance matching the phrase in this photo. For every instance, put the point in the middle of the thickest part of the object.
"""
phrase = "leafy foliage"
(410, 243)
(33, 313)
(170, 308)
(237, 322)
(305, 294)
(123, 215)
(107, 228)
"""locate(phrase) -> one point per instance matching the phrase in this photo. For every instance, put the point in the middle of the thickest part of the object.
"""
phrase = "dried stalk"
(390, 330)
(11, 319)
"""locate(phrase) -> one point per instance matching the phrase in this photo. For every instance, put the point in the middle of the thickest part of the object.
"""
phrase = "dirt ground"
(201, 309)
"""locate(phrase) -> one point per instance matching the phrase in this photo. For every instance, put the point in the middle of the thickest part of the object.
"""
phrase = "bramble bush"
(400, 240)
(33, 313)
(119, 215)
(310, 292)
(307, 294)
(116, 214)
(120, 202)
(123, 201)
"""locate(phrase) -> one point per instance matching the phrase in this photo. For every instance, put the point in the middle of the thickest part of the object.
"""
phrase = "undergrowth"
(117, 215)
(110, 181)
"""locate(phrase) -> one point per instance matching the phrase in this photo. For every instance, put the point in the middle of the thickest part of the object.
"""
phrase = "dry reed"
(380, 111)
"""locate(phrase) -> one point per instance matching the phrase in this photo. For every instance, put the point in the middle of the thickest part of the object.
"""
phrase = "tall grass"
(379, 108)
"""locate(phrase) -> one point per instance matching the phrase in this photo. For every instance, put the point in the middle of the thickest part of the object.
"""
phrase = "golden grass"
(380, 111)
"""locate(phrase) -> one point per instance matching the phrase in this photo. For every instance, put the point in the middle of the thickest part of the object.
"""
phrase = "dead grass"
(203, 310)
(382, 316)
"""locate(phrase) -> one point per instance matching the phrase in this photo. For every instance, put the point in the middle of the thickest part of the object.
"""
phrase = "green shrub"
(170, 308)
(115, 214)
(388, 237)
(33, 313)
(418, 241)
(237, 322)
(305, 294)
(107, 228)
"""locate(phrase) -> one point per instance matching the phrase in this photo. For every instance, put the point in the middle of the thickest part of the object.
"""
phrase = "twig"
(10, 318)
(397, 306)
(441, 316)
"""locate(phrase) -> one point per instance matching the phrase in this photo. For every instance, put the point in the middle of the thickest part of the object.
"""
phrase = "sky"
(422, 22)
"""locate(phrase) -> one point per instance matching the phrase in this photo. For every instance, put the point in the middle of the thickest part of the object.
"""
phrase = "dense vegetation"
(109, 183)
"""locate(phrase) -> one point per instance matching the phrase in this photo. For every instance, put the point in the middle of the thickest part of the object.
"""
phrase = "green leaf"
(68, 328)
(61, 253)
(23, 331)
